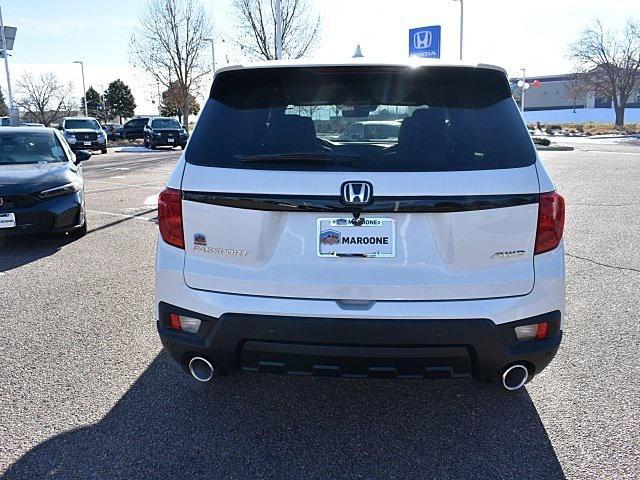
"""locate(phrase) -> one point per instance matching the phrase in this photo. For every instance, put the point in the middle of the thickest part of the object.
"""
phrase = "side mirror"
(59, 127)
(184, 126)
(82, 156)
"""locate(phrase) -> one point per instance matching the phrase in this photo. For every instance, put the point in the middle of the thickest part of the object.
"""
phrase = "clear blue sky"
(51, 34)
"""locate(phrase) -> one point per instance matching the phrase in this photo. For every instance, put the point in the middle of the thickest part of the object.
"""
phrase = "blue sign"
(425, 42)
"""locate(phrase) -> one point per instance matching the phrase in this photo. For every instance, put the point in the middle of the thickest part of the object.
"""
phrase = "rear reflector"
(541, 331)
(174, 321)
(182, 323)
(538, 331)
(170, 217)
(550, 222)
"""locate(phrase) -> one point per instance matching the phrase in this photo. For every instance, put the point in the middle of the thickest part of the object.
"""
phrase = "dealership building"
(554, 94)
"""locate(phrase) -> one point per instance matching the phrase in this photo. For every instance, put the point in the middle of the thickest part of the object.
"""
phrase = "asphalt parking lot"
(86, 391)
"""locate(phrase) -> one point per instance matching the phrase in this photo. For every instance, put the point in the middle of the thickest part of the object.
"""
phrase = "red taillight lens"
(170, 217)
(541, 331)
(550, 222)
(174, 321)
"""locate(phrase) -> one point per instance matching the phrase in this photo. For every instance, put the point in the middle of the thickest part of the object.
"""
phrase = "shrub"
(541, 141)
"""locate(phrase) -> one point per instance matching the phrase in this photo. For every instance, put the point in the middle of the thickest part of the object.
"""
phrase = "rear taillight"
(550, 222)
(170, 217)
(538, 331)
(182, 323)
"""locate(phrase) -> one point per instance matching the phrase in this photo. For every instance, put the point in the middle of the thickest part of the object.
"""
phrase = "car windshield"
(165, 123)
(390, 118)
(31, 147)
(81, 123)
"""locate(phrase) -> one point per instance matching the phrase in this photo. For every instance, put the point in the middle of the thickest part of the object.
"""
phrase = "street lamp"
(213, 56)
(461, 24)
(278, 12)
(524, 85)
(14, 115)
(84, 90)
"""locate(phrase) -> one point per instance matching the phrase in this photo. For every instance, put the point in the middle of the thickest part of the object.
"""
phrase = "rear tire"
(152, 146)
(104, 150)
(146, 143)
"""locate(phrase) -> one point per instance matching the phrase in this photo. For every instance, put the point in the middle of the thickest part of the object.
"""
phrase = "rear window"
(361, 119)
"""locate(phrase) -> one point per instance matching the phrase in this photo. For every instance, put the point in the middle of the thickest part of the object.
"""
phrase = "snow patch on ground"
(135, 149)
(581, 115)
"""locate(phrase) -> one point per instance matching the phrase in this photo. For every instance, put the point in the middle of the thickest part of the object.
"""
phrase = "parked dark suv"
(134, 128)
(164, 132)
(84, 133)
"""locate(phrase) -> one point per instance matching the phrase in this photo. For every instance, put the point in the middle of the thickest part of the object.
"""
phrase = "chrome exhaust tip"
(201, 369)
(515, 377)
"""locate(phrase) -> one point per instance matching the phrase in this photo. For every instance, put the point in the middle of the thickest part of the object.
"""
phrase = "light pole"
(213, 56)
(461, 24)
(14, 116)
(525, 86)
(84, 95)
(278, 30)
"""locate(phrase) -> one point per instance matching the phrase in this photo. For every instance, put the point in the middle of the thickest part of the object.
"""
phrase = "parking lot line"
(137, 216)
(612, 152)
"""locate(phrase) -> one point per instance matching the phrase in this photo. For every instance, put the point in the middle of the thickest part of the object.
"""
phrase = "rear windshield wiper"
(301, 157)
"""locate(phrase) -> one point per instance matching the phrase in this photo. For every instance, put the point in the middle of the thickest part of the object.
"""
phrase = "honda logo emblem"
(422, 40)
(356, 193)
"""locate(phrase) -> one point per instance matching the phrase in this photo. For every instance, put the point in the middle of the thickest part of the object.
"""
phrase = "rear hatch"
(274, 204)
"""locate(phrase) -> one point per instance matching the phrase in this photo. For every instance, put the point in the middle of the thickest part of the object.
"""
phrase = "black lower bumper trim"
(347, 347)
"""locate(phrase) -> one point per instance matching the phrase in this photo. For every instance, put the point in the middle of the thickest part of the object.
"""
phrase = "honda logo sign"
(356, 193)
(425, 42)
(422, 39)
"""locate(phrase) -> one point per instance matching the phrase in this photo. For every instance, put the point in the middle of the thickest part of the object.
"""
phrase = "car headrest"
(291, 133)
(425, 130)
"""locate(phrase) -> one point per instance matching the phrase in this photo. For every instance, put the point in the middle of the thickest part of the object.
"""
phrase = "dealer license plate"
(87, 143)
(170, 140)
(7, 220)
(364, 237)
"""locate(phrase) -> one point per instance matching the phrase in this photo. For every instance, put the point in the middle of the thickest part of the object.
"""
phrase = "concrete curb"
(554, 148)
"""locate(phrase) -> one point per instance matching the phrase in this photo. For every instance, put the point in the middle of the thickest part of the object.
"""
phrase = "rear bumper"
(357, 347)
(475, 337)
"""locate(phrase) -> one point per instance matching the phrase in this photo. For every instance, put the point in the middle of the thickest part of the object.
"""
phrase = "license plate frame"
(330, 237)
(87, 144)
(7, 220)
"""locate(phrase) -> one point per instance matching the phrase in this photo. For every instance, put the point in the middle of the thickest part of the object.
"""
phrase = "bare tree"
(256, 24)
(610, 62)
(44, 97)
(577, 89)
(169, 43)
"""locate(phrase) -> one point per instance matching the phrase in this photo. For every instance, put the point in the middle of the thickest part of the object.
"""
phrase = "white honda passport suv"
(286, 249)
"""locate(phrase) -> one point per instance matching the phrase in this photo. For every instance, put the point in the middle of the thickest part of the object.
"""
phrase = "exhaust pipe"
(515, 377)
(201, 369)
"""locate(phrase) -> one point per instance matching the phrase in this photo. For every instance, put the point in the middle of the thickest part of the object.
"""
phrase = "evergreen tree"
(4, 110)
(119, 100)
(173, 102)
(94, 104)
